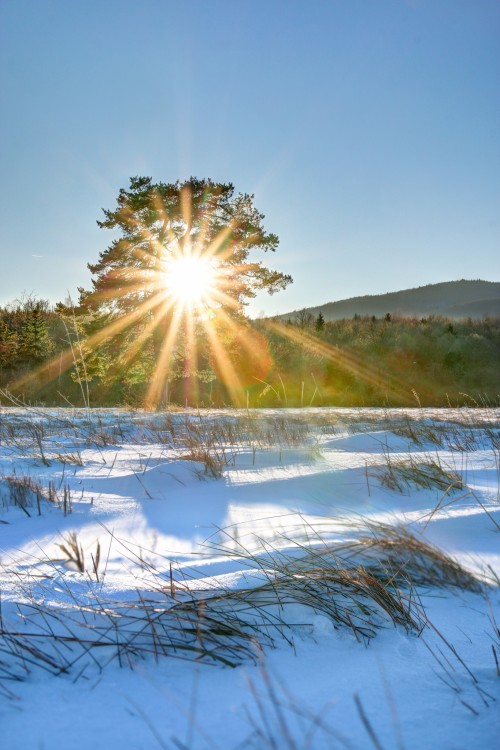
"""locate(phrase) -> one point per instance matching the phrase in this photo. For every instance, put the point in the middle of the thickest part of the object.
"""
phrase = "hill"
(453, 299)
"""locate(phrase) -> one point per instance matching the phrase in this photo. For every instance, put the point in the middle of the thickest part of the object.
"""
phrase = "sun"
(191, 280)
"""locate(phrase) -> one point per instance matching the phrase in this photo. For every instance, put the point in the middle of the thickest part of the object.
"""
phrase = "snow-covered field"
(311, 578)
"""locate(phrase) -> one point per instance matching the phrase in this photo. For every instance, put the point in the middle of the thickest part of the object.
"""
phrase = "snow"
(168, 524)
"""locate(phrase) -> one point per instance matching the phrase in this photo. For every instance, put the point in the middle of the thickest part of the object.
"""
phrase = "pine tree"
(174, 239)
(320, 323)
(36, 343)
(9, 345)
(161, 222)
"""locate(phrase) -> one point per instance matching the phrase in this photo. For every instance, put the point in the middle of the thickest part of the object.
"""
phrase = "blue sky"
(368, 131)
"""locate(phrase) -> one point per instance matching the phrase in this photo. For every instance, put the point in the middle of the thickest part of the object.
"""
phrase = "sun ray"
(64, 361)
(187, 215)
(345, 359)
(218, 241)
(191, 360)
(230, 376)
(137, 345)
(157, 383)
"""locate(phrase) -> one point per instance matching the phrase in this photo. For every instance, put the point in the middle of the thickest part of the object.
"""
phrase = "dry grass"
(362, 586)
(405, 558)
(21, 491)
(26, 493)
(427, 472)
(370, 582)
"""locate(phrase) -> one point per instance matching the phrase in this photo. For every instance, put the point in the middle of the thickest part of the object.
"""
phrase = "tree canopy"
(159, 223)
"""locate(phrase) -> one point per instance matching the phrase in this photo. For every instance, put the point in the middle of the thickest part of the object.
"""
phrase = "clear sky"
(369, 132)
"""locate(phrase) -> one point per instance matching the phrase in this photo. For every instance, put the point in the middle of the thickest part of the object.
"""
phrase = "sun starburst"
(192, 281)
(170, 293)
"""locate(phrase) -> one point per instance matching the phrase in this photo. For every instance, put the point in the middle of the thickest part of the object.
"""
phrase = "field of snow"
(313, 578)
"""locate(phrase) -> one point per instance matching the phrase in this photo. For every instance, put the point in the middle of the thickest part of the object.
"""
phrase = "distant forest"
(360, 361)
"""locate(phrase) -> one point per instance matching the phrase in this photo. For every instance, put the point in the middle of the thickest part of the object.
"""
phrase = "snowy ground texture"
(313, 578)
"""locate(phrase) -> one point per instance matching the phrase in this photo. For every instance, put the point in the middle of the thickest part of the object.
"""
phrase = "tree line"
(362, 361)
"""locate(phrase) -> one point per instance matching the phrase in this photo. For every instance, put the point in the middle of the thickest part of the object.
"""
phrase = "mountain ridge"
(453, 299)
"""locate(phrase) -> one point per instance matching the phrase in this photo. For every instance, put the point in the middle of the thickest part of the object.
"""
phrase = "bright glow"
(190, 280)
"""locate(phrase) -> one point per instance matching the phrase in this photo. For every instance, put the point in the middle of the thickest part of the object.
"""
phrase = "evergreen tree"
(173, 239)
(320, 323)
(9, 345)
(159, 223)
(36, 343)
